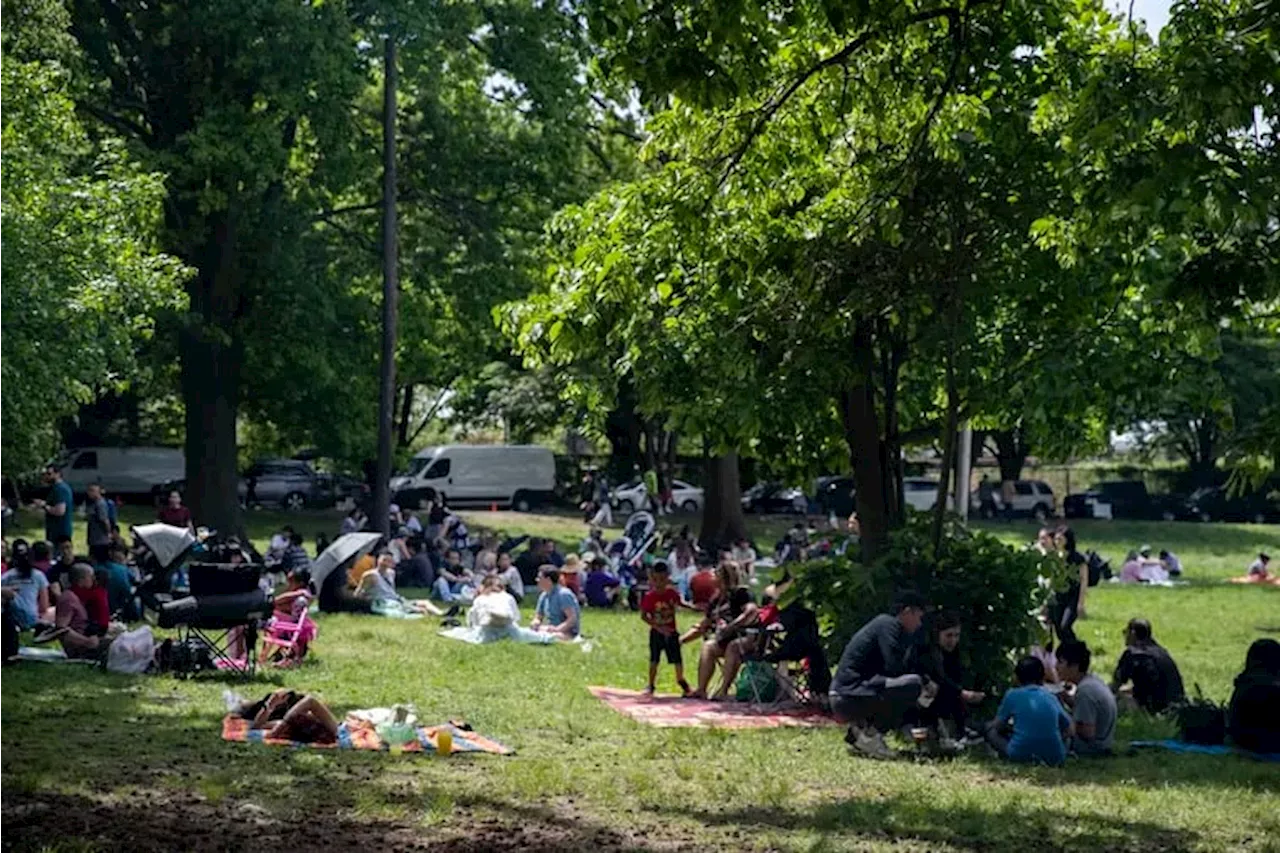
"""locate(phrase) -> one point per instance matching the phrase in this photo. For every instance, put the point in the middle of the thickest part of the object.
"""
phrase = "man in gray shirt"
(98, 523)
(1092, 704)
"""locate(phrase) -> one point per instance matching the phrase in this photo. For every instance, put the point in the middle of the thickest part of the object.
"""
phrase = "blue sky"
(1154, 12)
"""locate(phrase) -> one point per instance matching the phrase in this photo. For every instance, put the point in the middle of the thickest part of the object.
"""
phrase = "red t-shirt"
(703, 587)
(660, 607)
(95, 604)
(179, 517)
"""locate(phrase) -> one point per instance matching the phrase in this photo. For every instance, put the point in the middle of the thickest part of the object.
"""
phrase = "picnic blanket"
(47, 654)
(668, 711)
(1203, 749)
(361, 734)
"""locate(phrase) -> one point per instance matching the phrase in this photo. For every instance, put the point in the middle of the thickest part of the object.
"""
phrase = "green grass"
(139, 763)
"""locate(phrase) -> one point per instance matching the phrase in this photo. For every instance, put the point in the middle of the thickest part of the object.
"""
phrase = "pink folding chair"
(287, 640)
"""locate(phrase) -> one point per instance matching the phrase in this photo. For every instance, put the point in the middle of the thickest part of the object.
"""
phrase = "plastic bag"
(132, 651)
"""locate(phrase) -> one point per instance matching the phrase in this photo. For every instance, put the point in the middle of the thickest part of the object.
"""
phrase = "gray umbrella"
(169, 544)
(345, 548)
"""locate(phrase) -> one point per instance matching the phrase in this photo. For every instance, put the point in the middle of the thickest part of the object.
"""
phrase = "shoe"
(452, 611)
(870, 744)
(685, 690)
(950, 746)
(648, 691)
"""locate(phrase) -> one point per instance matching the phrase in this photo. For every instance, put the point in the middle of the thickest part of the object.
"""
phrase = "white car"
(633, 496)
(920, 494)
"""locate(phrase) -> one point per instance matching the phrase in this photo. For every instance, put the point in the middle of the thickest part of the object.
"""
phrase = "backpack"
(756, 682)
(1098, 568)
(1202, 721)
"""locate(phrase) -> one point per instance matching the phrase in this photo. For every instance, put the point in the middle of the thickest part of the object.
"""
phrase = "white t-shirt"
(493, 610)
(515, 583)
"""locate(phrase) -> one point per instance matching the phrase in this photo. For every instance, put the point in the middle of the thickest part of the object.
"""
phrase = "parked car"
(774, 498)
(519, 476)
(920, 493)
(1217, 504)
(1030, 497)
(1123, 499)
(290, 484)
(835, 495)
(628, 498)
(122, 471)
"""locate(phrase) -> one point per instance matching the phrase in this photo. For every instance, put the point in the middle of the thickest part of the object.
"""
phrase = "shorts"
(670, 643)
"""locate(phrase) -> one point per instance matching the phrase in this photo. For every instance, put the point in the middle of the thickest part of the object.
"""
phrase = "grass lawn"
(101, 762)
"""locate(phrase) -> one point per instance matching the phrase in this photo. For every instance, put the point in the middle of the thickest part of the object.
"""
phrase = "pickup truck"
(1125, 499)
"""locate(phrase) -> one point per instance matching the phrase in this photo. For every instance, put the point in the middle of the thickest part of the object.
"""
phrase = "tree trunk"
(406, 414)
(862, 436)
(948, 456)
(390, 290)
(722, 518)
(1011, 452)
(212, 357)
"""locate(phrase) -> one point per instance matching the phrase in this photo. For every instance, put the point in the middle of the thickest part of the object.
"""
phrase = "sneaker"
(452, 611)
(685, 690)
(870, 744)
(648, 691)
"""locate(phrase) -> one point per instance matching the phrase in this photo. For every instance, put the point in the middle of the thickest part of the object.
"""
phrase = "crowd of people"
(900, 672)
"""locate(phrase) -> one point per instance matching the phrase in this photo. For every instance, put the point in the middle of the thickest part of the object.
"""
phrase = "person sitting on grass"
(571, 576)
(1093, 707)
(376, 587)
(453, 585)
(729, 615)
(510, 576)
(286, 715)
(119, 583)
(495, 616)
(601, 586)
(557, 611)
(1171, 563)
(1253, 720)
(940, 664)
(1155, 679)
(71, 620)
(873, 687)
(1030, 726)
(26, 591)
(658, 610)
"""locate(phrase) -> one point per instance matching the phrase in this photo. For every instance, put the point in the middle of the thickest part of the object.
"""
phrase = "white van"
(516, 476)
(122, 471)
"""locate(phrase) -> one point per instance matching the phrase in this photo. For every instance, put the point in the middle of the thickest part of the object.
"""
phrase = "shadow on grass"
(95, 761)
(897, 819)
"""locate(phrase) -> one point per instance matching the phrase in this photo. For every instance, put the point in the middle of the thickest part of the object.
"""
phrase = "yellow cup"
(444, 742)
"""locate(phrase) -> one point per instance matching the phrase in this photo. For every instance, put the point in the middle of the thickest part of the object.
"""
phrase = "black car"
(835, 495)
(1127, 499)
(774, 498)
(1218, 504)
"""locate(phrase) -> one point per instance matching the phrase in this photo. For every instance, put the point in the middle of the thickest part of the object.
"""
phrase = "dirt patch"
(163, 822)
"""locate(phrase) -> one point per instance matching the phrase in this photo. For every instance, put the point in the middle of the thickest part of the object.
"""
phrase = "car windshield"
(417, 465)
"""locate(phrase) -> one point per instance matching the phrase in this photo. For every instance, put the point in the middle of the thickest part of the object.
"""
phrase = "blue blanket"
(1203, 749)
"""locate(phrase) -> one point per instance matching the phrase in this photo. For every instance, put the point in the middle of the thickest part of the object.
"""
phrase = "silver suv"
(1030, 497)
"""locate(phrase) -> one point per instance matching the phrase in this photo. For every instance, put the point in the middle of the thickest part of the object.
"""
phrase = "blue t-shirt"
(555, 605)
(119, 585)
(26, 599)
(1038, 721)
(59, 527)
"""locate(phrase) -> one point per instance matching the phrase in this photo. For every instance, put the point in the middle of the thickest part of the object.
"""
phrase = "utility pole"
(390, 293)
(964, 467)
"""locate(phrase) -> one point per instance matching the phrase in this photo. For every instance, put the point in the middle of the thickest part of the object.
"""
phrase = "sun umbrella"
(169, 544)
(345, 548)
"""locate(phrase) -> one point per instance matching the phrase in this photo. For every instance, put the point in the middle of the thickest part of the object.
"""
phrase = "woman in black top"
(729, 614)
(1067, 605)
(1252, 718)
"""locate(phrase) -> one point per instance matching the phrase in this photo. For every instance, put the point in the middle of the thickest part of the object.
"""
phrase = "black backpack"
(1098, 568)
(1202, 721)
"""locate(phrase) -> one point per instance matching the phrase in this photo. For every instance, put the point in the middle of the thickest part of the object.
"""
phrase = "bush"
(996, 590)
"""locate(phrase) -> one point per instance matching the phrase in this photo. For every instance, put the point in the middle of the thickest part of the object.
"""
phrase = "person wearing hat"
(571, 576)
(1146, 675)
(873, 687)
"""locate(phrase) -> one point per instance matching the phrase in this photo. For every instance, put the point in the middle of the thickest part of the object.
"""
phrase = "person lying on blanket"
(286, 715)
(376, 588)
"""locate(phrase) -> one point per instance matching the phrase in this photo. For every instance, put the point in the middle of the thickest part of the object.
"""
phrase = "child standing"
(658, 609)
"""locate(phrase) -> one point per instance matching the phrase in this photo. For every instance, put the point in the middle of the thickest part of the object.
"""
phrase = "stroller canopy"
(169, 544)
(345, 548)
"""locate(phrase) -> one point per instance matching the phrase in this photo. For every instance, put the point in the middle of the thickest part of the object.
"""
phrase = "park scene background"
(735, 242)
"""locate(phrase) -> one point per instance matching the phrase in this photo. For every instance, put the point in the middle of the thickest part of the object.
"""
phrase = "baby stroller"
(163, 549)
(627, 555)
(218, 623)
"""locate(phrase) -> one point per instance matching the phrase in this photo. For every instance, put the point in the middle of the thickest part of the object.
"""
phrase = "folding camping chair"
(217, 624)
(789, 685)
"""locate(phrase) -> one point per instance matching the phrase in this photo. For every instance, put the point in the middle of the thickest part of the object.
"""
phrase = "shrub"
(996, 590)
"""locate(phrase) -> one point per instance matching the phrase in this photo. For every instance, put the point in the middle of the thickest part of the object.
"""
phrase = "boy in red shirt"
(658, 610)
